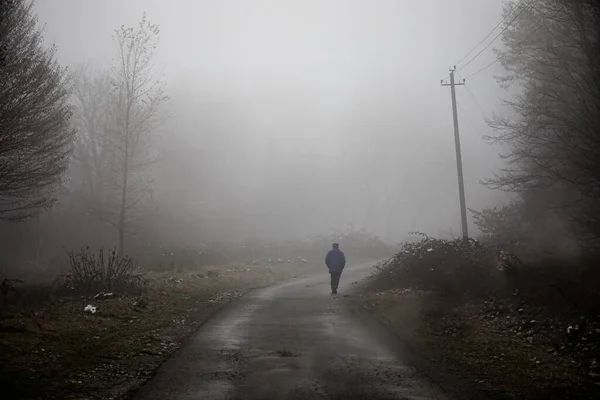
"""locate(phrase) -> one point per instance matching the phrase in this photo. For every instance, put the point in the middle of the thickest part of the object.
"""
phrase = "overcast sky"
(306, 74)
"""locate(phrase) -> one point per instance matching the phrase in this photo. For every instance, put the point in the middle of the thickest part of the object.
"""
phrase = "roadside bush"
(91, 273)
(452, 269)
(543, 264)
(7, 289)
(531, 230)
(455, 271)
(559, 286)
(507, 226)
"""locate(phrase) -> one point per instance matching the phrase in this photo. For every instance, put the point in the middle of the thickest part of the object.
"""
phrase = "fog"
(288, 119)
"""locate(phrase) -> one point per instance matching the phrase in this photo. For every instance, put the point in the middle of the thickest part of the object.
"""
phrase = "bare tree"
(137, 106)
(35, 135)
(91, 173)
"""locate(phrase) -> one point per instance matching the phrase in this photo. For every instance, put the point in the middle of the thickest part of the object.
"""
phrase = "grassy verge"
(499, 349)
(57, 351)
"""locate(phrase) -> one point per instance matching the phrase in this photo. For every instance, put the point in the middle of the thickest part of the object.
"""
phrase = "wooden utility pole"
(461, 185)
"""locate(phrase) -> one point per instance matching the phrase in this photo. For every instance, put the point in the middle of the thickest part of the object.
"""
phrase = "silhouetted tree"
(92, 175)
(552, 55)
(35, 135)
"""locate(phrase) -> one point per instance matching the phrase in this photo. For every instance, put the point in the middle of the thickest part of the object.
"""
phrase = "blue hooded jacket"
(335, 260)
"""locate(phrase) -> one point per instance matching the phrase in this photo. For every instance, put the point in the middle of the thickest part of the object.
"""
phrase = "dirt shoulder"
(58, 351)
(500, 350)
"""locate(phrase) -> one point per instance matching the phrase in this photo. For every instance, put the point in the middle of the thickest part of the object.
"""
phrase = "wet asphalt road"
(292, 341)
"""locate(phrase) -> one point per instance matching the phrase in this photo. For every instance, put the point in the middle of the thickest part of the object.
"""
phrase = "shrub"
(560, 286)
(90, 273)
(508, 226)
(7, 288)
(448, 268)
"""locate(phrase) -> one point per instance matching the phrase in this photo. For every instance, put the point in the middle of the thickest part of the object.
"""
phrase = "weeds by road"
(58, 351)
(476, 344)
(516, 330)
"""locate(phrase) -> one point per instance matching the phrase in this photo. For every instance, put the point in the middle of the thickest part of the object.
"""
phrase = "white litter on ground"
(90, 309)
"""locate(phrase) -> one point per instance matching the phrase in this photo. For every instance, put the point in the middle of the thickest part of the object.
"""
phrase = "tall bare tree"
(91, 161)
(35, 135)
(138, 110)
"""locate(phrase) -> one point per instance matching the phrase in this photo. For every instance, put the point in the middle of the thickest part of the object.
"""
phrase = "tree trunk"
(123, 205)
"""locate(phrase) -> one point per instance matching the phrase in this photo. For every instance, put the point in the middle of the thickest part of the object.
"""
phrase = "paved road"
(293, 341)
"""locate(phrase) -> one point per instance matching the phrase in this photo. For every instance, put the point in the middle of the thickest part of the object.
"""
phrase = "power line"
(533, 32)
(474, 98)
(477, 103)
(482, 69)
(499, 34)
(489, 34)
(465, 114)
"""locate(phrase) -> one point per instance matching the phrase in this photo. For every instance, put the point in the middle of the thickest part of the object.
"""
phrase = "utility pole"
(461, 185)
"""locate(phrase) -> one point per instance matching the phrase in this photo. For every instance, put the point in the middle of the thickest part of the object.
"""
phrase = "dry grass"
(56, 351)
(480, 349)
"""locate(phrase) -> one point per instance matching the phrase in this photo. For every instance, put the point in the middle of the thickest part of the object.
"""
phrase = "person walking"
(335, 262)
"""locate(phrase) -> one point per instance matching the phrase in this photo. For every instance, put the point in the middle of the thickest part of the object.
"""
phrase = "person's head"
(336, 245)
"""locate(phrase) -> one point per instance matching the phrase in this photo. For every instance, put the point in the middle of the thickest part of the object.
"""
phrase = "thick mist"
(291, 119)
(265, 199)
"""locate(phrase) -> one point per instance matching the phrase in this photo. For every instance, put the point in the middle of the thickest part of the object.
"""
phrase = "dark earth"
(298, 341)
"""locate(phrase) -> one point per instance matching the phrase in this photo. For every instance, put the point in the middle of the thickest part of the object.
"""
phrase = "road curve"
(292, 341)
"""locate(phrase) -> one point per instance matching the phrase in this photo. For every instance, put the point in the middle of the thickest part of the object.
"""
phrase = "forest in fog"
(300, 138)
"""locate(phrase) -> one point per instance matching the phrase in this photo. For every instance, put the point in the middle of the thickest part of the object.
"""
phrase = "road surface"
(292, 341)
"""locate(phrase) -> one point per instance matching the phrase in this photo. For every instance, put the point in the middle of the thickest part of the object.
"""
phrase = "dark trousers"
(335, 279)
